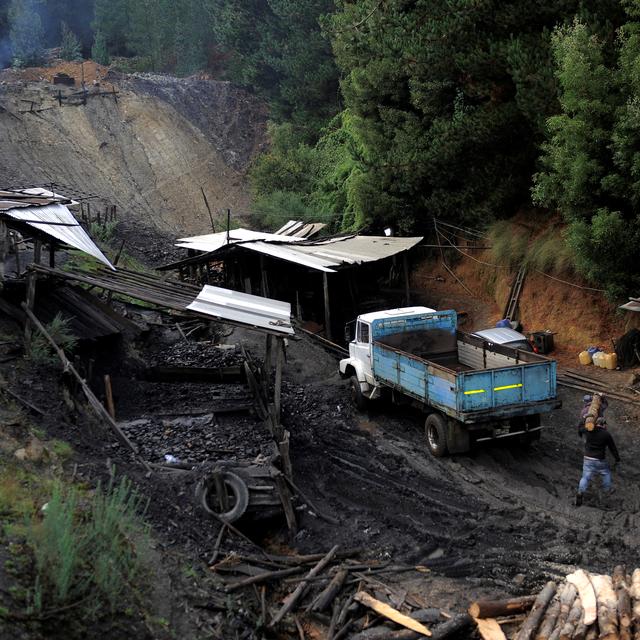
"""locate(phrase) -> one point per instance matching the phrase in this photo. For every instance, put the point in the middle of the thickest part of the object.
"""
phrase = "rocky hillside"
(149, 149)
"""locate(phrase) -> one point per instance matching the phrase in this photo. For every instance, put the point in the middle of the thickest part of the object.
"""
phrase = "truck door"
(363, 348)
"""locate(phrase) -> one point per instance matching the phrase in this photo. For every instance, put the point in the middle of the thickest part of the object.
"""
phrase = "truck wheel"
(436, 431)
(357, 397)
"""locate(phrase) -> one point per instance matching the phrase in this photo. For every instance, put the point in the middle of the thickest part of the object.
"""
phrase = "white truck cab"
(358, 365)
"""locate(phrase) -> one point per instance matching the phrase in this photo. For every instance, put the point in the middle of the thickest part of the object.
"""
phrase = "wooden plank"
(31, 292)
(489, 629)
(108, 393)
(392, 614)
(277, 390)
(327, 309)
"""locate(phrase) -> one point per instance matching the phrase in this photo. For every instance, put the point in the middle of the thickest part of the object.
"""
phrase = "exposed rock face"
(148, 152)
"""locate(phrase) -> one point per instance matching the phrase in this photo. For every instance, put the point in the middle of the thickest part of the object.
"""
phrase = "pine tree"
(26, 33)
(99, 50)
(70, 48)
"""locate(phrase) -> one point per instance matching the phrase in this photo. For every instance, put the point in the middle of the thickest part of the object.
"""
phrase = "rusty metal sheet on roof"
(215, 241)
(243, 308)
(58, 222)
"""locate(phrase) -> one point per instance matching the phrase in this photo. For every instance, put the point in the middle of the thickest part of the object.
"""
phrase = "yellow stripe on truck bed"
(508, 386)
(468, 393)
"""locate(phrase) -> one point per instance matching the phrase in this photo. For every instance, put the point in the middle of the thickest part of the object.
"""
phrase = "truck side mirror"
(348, 333)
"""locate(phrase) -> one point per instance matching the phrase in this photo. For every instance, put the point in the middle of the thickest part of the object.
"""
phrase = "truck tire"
(357, 397)
(435, 428)
(238, 496)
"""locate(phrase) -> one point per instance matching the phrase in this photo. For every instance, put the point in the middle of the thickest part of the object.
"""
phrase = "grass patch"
(514, 244)
(41, 351)
(61, 449)
(103, 232)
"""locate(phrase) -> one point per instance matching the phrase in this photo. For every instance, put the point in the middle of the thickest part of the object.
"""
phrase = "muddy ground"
(499, 521)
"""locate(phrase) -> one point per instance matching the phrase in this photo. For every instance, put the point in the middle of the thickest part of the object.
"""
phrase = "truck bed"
(458, 373)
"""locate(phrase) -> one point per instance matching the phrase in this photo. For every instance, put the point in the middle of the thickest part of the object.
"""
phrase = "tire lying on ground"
(435, 428)
(237, 496)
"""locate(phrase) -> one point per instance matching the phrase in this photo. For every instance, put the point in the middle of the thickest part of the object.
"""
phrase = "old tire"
(237, 491)
(357, 397)
(435, 428)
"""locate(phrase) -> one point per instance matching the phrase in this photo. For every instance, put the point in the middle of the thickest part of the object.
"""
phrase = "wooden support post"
(277, 391)
(264, 284)
(285, 498)
(405, 265)
(31, 291)
(4, 237)
(327, 310)
(16, 251)
(89, 212)
(108, 394)
(268, 357)
(52, 254)
(298, 307)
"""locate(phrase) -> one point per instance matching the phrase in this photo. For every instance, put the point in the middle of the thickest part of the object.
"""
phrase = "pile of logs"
(589, 384)
(586, 606)
(334, 596)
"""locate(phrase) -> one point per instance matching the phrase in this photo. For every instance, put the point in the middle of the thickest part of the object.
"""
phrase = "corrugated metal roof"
(632, 305)
(34, 196)
(300, 229)
(58, 222)
(324, 255)
(244, 308)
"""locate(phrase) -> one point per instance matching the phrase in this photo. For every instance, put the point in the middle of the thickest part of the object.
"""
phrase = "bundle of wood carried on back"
(584, 606)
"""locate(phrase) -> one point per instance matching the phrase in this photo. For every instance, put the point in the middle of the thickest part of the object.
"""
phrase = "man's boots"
(578, 499)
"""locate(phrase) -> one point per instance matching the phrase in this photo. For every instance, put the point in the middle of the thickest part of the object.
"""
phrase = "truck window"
(363, 332)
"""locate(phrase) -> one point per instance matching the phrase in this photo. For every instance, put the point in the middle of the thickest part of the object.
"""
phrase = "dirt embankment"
(578, 317)
(149, 149)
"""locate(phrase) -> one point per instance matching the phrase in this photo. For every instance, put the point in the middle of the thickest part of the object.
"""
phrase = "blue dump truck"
(472, 390)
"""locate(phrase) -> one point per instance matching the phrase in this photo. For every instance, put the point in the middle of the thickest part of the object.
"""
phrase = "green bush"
(87, 553)
(41, 351)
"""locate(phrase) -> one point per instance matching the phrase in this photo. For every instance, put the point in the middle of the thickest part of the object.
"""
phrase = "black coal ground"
(500, 518)
(496, 522)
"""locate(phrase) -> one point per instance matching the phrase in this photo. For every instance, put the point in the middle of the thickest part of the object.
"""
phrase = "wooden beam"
(32, 279)
(4, 237)
(277, 390)
(327, 310)
(407, 291)
(264, 282)
(108, 394)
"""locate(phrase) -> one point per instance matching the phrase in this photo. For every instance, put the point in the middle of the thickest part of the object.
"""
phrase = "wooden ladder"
(514, 295)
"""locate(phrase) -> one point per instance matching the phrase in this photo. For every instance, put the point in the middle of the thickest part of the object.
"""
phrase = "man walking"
(595, 463)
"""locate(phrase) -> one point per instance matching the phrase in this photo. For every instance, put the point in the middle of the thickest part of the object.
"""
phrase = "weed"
(508, 243)
(41, 351)
(86, 555)
(104, 232)
(61, 448)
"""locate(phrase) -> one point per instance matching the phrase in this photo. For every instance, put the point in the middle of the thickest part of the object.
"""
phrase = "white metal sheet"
(243, 308)
(58, 222)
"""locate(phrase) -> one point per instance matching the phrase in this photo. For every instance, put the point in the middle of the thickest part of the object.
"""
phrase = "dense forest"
(393, 112)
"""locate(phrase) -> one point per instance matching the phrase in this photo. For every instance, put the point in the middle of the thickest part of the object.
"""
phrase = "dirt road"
(501, 518)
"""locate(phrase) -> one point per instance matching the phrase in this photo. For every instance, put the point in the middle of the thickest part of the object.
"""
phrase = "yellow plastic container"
(598, 358)
(584, 357)
(611, 360)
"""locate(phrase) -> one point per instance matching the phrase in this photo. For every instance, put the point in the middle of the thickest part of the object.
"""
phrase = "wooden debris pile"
(583, 607)
(333, 596)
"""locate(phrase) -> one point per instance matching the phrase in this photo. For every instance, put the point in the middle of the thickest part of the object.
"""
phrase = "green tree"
(111, 20)
(591, 163)
(99, 50)
(277, 48)
(70, 48)
(26, 33)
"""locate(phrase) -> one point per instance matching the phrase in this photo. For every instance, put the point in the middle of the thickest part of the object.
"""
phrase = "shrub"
(87, 554)
(41, 351)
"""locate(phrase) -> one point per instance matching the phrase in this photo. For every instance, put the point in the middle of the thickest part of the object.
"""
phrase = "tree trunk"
(575, 616)
(567, 599)
(635, 594)
(587, 595)
(495, 608)
(607, 607)
(532, 622)
(550, 617)
(623, 601)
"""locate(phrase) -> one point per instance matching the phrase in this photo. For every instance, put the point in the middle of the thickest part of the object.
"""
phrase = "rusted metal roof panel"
(243, 308)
